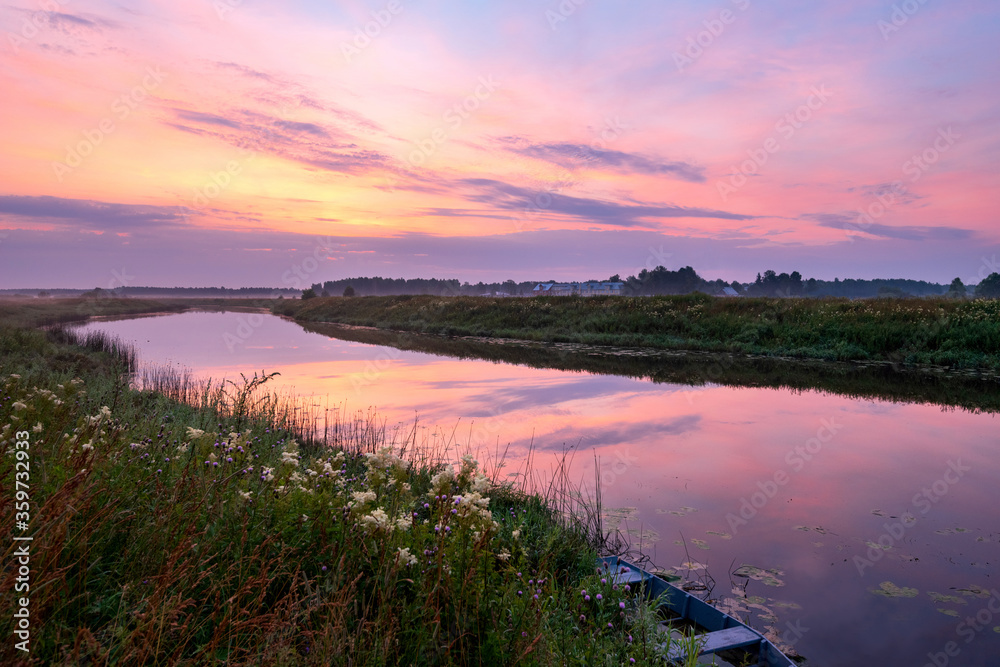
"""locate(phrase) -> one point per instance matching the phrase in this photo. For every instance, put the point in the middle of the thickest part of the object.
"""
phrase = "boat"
(716, 632)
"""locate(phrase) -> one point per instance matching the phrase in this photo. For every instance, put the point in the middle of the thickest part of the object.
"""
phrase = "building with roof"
(578, 289)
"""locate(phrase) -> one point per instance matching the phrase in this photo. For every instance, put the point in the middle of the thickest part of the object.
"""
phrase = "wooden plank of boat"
(718, 641)
(719, 631)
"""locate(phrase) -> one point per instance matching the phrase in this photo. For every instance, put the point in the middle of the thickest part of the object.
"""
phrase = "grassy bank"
(974, 390)
(206, 533)
(945, 332)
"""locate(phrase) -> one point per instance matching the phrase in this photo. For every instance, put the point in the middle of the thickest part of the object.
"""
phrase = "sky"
(262, 143)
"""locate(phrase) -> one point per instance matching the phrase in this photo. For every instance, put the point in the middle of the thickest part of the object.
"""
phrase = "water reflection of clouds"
(706, 447)
(621, 433)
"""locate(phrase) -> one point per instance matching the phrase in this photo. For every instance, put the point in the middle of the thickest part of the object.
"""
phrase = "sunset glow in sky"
(224, 142)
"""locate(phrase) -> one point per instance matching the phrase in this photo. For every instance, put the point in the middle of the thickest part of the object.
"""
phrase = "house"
(578, 289)
(728, 291)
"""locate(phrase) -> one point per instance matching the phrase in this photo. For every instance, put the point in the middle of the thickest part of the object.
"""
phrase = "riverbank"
(973, 389)
(936, 332)
(213, 532)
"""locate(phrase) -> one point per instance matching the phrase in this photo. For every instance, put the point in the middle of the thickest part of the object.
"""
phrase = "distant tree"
(615, 279)
(736, 286)
(43, 294)
(308, 294)
(957, 289)
(989, 288)
(348, 291)
(324, 293)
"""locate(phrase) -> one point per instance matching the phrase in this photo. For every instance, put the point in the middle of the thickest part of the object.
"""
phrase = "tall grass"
(948, 332)
(185, 522)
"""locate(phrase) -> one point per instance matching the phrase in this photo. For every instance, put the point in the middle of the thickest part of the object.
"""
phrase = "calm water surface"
(879, 521)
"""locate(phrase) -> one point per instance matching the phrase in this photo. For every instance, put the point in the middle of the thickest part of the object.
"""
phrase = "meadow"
(952, 333)
(190, 523)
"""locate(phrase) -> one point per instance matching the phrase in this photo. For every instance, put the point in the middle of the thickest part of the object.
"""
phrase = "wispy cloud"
(576, 156)
(89, 214)
(903, 232)
(500, 195)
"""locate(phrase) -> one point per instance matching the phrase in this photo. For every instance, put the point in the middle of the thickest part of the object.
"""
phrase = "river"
(871, 526)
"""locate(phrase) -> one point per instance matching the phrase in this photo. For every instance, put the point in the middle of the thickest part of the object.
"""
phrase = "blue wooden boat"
(718, 633)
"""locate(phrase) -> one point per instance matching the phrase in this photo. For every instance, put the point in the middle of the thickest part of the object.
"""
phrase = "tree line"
(662, 280)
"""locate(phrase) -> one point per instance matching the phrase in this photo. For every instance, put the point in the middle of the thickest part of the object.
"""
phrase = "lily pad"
(875, 545)
(766, 577)
(974, 591)
(786, 605)
(646, 535)
(701, 544)
(725, 536)
(691, 565)
(953, 599)
(614, 517)
(891, 590)
(949, 612)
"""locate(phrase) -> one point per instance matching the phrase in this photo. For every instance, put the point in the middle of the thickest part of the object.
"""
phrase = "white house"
(578, 289)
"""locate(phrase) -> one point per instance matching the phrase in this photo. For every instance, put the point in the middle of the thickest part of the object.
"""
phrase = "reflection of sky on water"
(663, 447)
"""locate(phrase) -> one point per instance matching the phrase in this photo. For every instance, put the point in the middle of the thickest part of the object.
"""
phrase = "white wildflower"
(37, 428)
(404, 556)
(194, 433)
(504, 555)
(362, 497)
(441, 482)
(245, 495)
(18, 405)
(480, 484)
(377, 519)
